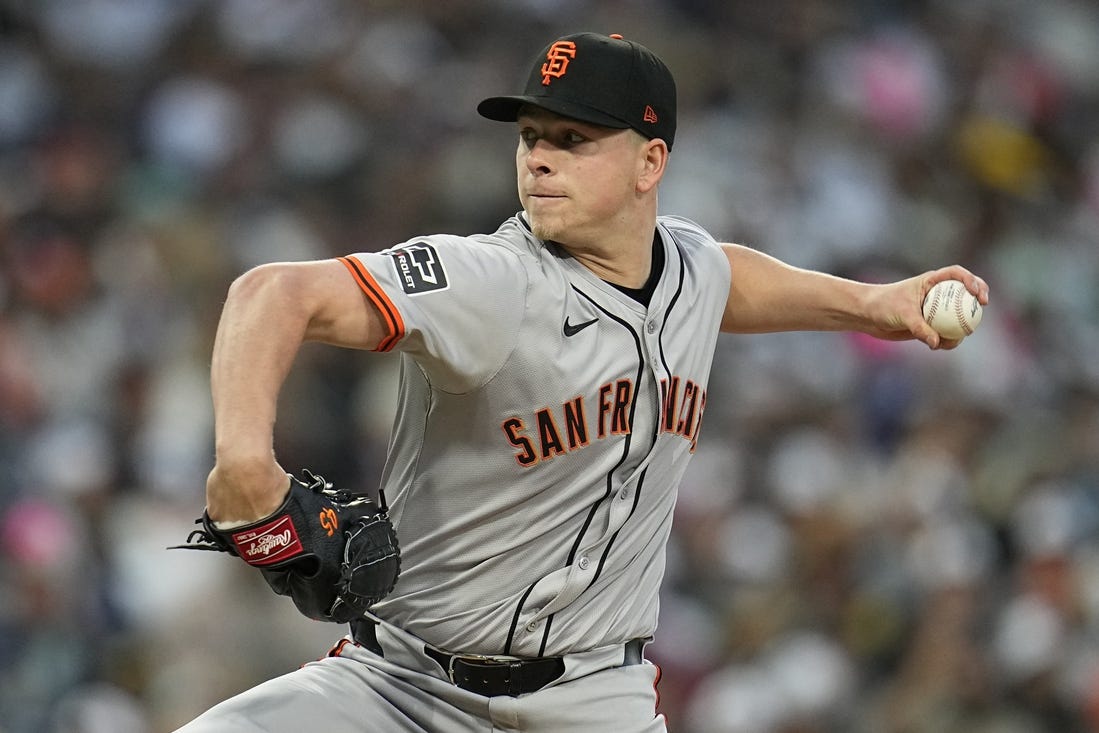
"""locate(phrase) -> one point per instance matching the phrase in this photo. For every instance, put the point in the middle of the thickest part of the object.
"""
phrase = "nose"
(538, 159)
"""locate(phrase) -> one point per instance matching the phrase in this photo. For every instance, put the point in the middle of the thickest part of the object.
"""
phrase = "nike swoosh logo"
(572, 330)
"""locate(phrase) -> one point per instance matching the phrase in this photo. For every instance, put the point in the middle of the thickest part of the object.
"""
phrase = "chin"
(543, 229)
(543, 233)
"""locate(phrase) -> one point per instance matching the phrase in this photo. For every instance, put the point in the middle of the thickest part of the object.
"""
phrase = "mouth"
(539, 190)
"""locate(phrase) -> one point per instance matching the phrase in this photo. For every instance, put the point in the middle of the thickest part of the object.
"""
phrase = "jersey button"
(651, 328)
(624, 494)
(584, 563)
(532, 626)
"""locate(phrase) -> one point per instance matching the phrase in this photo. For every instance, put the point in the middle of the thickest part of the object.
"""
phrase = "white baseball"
(952, 310)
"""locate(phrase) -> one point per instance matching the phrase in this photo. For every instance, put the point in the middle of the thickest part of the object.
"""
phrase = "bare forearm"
(258, 337)
(269, 312)
(768, 295)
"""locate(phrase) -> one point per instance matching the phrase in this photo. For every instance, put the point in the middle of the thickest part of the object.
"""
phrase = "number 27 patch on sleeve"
(419, 268)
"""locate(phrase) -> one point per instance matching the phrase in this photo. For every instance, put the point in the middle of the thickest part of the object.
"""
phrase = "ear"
(652, 160)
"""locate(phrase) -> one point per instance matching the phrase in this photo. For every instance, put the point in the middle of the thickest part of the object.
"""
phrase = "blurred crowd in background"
(873, 537)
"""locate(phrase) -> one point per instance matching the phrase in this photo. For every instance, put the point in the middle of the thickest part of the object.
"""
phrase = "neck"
(620, 253)
(631, 272)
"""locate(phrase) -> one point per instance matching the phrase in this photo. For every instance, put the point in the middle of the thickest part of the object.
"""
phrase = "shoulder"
(686, 232)
(691, 239)
(453, 258)
(512, 242)
(512, 237)
(702, 258)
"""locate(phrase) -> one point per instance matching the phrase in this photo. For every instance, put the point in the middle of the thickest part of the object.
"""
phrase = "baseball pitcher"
(553, 388)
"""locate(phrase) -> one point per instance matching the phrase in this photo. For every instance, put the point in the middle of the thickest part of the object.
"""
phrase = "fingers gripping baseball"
(333, 553)
(893, 313)
(898, 309)
(951, 304)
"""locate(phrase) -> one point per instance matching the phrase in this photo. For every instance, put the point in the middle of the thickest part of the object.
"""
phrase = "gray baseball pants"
(354, 690)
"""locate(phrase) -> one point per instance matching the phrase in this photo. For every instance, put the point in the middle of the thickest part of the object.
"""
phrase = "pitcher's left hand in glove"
(333, 553)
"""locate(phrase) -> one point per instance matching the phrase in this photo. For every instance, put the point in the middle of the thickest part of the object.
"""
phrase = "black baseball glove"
(333, 553)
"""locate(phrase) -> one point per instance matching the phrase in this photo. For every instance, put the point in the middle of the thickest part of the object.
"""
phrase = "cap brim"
(506, 109)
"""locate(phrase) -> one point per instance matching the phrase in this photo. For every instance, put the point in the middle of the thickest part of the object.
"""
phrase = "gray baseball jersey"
(545, 420)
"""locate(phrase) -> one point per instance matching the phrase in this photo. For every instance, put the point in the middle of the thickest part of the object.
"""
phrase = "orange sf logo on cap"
(557, 60)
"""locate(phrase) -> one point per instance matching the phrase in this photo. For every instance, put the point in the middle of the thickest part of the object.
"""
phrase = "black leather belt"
(490, 676)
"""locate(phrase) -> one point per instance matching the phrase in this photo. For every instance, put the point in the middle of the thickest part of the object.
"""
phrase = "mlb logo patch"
(419, 269)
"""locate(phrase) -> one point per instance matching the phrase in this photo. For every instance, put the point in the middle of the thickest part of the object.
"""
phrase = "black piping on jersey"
(636, 500)
(610, 542)
(515, 619)
(663, 359)
(671, 303)
(606, 494)
(656, 428)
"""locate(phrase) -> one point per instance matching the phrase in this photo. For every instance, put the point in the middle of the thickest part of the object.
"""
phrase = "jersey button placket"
(652, 344)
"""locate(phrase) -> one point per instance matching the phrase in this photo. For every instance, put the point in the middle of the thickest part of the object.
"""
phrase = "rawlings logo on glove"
(334, 554)
(269, 544)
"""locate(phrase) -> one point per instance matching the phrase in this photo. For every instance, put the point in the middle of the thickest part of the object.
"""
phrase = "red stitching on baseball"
(959, 311)
(934, 307)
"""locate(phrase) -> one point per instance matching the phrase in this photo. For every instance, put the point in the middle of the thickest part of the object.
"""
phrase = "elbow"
(270, 291)
(258, 281)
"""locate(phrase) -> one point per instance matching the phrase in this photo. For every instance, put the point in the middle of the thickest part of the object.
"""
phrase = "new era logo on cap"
(604, 80)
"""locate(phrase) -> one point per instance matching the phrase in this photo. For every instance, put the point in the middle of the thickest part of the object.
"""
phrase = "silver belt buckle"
(478, 658)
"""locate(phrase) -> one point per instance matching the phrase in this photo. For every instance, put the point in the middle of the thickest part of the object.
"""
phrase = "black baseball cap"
(604, 80)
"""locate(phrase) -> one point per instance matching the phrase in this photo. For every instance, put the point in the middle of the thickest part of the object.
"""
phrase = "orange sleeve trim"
(393, 322)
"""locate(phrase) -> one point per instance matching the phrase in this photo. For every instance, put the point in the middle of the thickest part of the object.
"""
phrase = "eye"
(568, 138)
